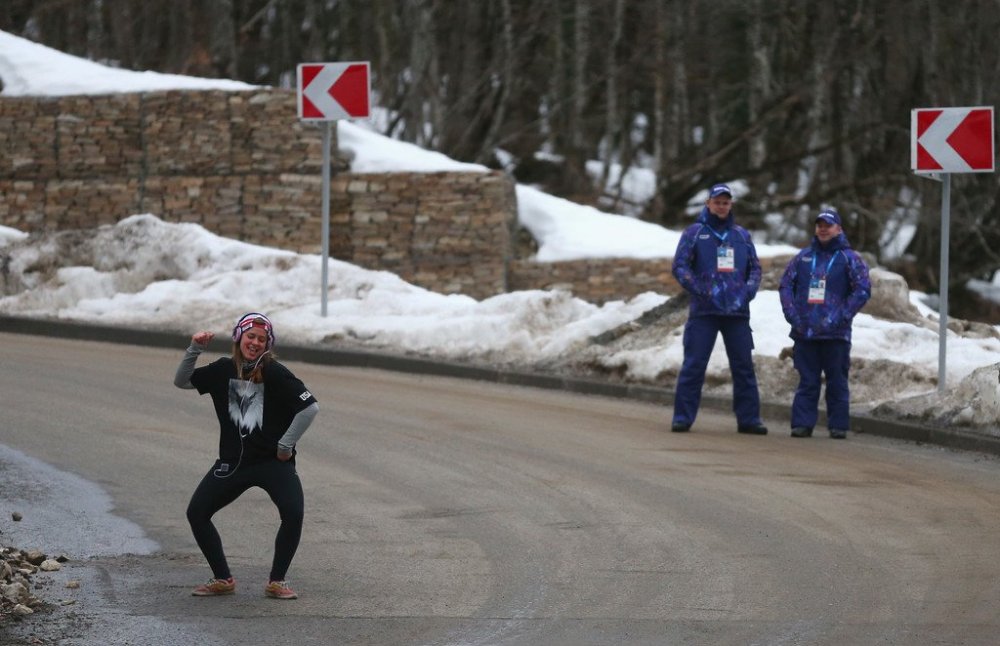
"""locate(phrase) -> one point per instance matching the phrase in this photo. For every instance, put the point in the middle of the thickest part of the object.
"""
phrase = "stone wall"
(596, 280)
(244, 166)
(607, 279)
(450, 230)
(78, 161)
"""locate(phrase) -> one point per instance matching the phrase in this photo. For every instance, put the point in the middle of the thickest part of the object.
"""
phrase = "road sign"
(951, 140)
(945, 141)
(328, 92)
(331, 91)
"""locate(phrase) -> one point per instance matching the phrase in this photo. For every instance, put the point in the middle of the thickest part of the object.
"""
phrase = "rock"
(16, 516)
(973, 329)
(16, 569)
(50, 565)
(35, 557)
(73, 585)
(890, 297)
(15, 592)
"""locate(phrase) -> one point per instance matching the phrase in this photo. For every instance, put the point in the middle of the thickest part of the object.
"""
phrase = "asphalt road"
(447, 512)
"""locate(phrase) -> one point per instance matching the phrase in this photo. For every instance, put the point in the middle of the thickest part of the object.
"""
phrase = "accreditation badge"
(725, 259)
(817, 291)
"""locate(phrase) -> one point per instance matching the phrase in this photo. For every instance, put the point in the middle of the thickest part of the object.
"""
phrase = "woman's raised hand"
(203, 337)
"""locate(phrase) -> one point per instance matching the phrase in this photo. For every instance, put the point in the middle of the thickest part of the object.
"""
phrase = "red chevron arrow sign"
(952, 140)
(330, 91)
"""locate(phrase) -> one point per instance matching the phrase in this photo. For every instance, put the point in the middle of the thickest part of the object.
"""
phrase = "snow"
(147, 273)
(30, 69)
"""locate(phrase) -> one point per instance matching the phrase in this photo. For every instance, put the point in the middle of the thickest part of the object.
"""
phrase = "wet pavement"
(63, 514)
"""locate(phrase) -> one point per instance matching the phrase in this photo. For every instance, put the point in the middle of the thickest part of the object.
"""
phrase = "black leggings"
(281, 483)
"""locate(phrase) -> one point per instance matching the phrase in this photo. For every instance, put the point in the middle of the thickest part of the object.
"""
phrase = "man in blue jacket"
(821, 291)
(716, 263)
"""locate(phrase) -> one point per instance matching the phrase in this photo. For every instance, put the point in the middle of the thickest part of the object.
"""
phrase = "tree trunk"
(421, 99)
(506, 82)
(760, 79)
(223, 38)
(612, 140)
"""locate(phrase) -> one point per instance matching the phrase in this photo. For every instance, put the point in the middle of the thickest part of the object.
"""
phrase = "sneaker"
(752, 429)
(838, 434)
(279, 590)
(679, 427)
(802, 431)
(215, 588)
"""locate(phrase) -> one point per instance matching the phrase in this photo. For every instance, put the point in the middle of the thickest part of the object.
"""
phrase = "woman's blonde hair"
(256, 374)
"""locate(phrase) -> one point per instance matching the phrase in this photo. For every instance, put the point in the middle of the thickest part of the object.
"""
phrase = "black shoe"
(838, 434)
(678, 427)
(753, 429)
(802, 431)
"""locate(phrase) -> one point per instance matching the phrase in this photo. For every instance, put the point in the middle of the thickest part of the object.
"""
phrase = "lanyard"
(716, 233)
(812, 272)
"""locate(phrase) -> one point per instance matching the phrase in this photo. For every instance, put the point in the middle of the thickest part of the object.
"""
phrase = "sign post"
(945, 141)
(328, 92)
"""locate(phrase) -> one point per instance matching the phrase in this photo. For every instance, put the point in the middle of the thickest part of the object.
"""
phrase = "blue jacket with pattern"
(848, 288)
(695, 266)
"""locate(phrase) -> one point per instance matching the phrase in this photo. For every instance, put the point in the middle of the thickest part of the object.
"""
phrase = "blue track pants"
(700, 334)
(814, 358)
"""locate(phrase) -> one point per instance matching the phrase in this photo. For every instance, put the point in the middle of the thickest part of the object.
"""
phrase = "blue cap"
(719, 189)
(829, 215)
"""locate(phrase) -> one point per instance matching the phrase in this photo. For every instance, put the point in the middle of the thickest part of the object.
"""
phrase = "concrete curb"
(920, 434)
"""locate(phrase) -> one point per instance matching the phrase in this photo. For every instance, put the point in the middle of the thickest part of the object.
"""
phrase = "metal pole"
(943, 291)
(326, 211)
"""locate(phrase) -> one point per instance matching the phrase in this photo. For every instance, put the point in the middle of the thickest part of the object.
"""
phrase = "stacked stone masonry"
(609, 279)
(243, 165)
